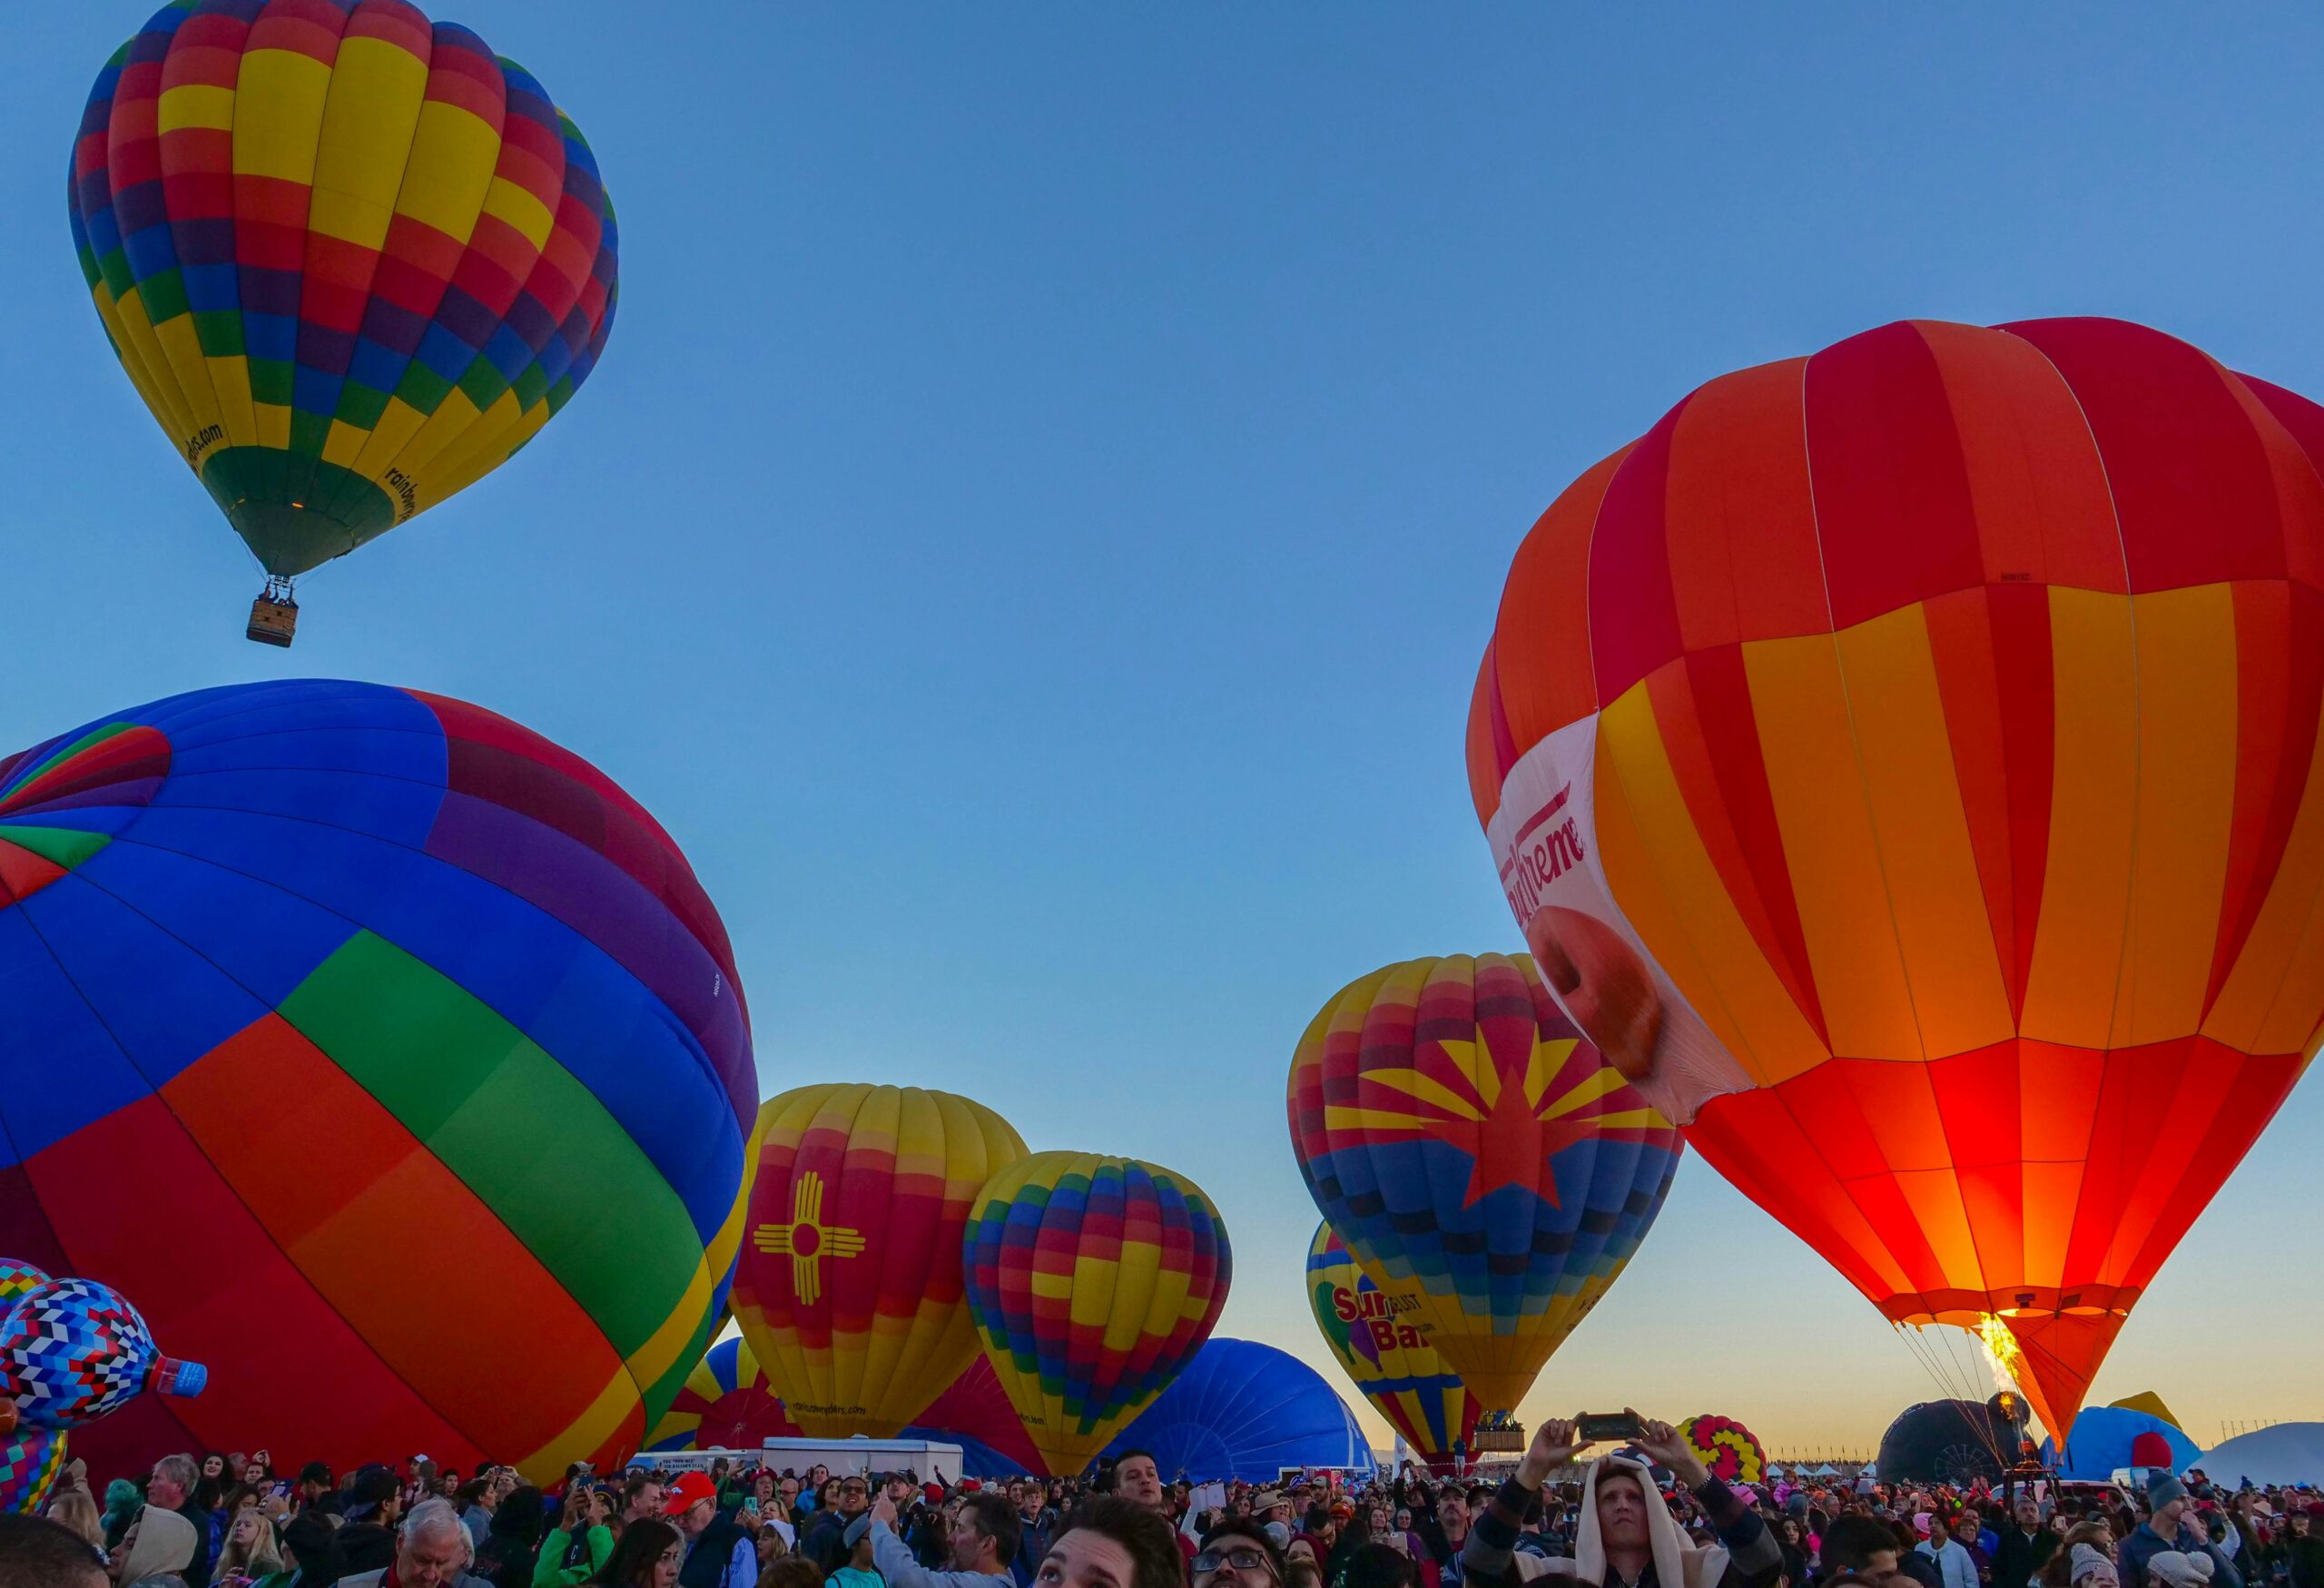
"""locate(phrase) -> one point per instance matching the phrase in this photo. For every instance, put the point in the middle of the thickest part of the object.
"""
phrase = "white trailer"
(927, 1458)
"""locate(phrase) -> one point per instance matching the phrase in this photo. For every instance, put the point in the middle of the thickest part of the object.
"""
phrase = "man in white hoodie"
(1628, 1537)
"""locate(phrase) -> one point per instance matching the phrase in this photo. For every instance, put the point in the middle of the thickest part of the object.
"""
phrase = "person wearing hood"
(160, 1541)
(2170, 1528)
(1628, 1537)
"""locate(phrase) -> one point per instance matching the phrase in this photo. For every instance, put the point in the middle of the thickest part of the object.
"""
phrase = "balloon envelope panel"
(1462, 1136)
(377, 1038)
(352, 259)
(1936, 716)
(1246, 1410)
(1381, 1341)
(850, 1287)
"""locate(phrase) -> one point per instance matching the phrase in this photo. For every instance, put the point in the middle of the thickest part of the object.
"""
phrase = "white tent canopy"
(2289, 1452)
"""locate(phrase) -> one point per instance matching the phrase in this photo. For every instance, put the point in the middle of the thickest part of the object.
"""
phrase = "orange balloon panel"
(1906, 754)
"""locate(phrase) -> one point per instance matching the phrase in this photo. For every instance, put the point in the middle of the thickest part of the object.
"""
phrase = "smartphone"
(1600, 1427)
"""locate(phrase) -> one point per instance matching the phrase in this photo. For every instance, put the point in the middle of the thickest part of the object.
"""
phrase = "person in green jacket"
(577, 1551)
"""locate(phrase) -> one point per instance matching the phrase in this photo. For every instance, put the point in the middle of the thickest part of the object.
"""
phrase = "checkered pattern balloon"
(74, 1350)
(30, 1459)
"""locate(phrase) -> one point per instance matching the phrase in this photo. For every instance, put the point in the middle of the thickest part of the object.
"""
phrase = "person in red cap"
(718, 1553)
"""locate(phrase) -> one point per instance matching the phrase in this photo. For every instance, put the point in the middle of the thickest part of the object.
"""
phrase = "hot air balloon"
(2106, 1438)
(1093, 1281)
(849, 1287)
(1381, 1341)
(388, 1002)
(1730, 1451)
(1960, 1442)
(1904, 755)
(351, 261)
(725, 1404)
(1248, 1411)
(1464, 1139)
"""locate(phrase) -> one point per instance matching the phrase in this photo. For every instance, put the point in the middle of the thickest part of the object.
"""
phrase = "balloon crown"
(74, 1350)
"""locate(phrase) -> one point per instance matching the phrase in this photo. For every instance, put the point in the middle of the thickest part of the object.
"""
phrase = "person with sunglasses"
(826, 1541)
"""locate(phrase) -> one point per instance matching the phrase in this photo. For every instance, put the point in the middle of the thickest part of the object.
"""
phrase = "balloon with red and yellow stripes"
(1093, 1280)
(849, 1289)
(351, 259)
(1902, 763)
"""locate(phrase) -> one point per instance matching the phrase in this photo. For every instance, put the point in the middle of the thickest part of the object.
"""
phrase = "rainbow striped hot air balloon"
(352, 259)
(725, 1404)
(849, 1287)
(424, 1035)
(1462, 1136)
(1382, 1340)
(1093, 1280)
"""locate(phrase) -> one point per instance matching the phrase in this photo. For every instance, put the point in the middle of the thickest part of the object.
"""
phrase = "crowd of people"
(1647, 1516)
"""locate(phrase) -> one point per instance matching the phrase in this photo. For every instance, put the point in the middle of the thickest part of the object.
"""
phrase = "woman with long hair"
(648, 1556)
(249, 1553)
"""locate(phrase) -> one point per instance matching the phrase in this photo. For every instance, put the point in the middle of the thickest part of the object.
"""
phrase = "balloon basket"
(274, 616)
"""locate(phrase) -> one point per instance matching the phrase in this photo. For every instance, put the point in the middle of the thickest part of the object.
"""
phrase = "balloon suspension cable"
(1958, 1378)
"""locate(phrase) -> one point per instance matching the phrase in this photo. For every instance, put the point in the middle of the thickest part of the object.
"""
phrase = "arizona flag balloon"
(1455, 1128)
(1904, 757)
(367, 988)
(849, 1287)
(1094, 1281)
(352, 259)
(1382, 1343)
(725, 1404)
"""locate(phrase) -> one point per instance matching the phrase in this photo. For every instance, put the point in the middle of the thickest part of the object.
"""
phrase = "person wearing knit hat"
(2170, 1568)
(2170, 1528)
(2089, 1566)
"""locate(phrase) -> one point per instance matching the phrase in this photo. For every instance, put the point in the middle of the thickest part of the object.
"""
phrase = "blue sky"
(1032, 532)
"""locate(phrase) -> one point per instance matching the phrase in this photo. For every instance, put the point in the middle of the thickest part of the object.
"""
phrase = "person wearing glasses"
(1238, 1554)
(826, 1541)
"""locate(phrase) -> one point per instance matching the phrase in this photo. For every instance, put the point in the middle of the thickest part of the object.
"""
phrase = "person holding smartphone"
(1626, 1537)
